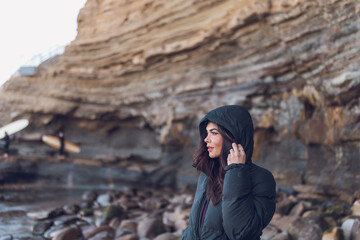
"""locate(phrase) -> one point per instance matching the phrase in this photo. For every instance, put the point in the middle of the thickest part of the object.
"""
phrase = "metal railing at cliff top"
(29, 67)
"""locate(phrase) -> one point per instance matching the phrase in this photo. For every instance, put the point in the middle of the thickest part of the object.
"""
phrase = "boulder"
(150, 228)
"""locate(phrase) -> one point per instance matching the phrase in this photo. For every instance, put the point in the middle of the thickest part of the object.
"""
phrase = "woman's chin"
(212, 156)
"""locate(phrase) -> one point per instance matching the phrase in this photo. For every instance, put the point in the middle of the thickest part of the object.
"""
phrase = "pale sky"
(32, 27)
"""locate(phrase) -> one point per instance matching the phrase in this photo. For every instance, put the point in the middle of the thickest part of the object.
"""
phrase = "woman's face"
(213, 140)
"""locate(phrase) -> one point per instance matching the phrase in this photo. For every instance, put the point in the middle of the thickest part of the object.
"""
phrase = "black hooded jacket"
(248, 197)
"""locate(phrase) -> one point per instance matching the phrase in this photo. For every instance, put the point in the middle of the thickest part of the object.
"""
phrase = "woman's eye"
(214, 133)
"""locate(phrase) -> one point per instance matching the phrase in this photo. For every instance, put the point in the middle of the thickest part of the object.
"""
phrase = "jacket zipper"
(202, 209)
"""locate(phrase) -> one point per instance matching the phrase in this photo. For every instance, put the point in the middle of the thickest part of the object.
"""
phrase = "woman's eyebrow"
(213, 129)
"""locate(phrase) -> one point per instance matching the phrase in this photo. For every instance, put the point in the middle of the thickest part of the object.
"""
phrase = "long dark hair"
(214, 168)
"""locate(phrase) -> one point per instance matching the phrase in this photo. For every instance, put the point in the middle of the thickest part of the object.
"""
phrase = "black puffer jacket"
(248, 201)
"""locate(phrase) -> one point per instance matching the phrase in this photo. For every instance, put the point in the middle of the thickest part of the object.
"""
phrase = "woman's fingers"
(235, 148)
(231, 151)
(241, 150)
(237, 154)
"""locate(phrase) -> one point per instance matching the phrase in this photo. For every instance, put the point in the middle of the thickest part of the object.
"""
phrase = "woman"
(234, 199)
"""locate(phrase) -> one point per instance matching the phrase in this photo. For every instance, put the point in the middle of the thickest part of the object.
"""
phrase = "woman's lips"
(210, 149)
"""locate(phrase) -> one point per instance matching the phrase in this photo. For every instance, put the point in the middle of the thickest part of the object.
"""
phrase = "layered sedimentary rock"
(140, 74)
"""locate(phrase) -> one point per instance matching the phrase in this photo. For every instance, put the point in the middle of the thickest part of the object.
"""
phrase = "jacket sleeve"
(247, 207)
(185, 235)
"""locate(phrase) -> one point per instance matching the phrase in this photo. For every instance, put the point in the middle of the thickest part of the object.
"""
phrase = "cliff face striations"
(140, 74)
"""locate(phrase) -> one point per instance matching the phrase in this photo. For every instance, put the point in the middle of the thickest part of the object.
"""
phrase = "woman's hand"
(236, 155)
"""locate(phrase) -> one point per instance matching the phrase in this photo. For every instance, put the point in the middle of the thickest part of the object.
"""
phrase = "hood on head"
(237, 121)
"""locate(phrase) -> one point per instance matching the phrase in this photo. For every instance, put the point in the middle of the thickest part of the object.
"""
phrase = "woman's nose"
(206, 139)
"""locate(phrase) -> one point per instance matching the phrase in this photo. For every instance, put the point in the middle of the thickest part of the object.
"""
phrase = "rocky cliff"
(132, 86)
